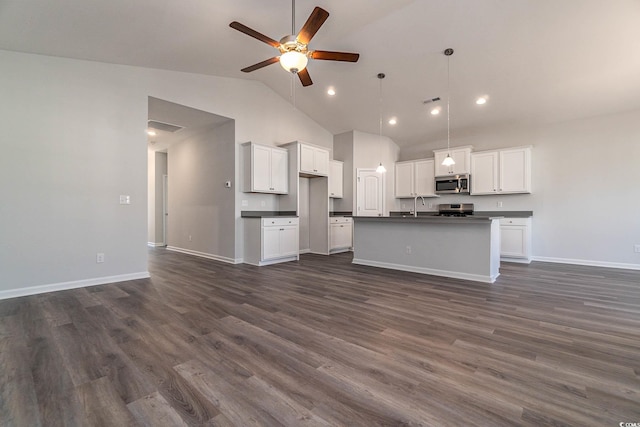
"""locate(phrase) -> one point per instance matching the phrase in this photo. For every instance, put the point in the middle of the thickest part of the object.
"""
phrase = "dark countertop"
(341, 213)
(484, 214)
(429, 219)
(267, 214)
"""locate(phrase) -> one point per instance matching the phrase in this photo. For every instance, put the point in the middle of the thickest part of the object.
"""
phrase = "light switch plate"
(125, 199)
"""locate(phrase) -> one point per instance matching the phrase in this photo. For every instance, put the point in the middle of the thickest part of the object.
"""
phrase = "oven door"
(446, 185)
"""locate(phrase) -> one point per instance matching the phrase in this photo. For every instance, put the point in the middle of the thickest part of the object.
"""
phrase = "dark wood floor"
(324, 342)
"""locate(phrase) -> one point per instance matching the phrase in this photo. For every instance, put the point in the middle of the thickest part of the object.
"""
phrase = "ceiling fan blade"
(305, 79)
(253, 33)
(335, 56)
(261, 64)
(313, 24)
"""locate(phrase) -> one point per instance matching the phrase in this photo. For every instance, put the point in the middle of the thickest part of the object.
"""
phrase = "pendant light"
(448, 161)
(380, 168)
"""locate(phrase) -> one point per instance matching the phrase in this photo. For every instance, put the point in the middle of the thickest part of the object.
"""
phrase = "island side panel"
(459, 249)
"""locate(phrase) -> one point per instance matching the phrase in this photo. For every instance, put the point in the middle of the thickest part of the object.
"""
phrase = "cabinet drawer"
(514, 221)
(340, 220)
(267, 222)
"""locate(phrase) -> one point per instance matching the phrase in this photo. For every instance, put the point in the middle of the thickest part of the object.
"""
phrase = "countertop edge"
(268, 214)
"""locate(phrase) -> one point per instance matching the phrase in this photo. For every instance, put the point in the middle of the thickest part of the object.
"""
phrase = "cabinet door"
(321, 161)
(270, 242)
(441, 170)
(513, 241)
(280, 171)
(289, 241)
(307, 162)
(261, 168)
(515, 170)
(341, 236)
(484, 173)
(404, 180)
(335, 179)
(462, 157)
(424, 182)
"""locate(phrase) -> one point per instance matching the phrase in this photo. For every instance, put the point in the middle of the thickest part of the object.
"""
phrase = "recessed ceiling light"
(151, 132)
(331, 91)
(481, 101)
(435, 111)
(393, 121)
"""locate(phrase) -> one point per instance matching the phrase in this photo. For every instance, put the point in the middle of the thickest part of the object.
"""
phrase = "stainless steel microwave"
(453, 184)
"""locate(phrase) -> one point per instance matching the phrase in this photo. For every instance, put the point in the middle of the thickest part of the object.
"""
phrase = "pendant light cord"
(380, 107)
(448, 100)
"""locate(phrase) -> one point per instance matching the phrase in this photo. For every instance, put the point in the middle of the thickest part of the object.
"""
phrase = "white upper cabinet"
(462, 157)
(336, 169)
(515, 170)
(501, 172)
(484, 173)
(414, 178)
(265, 169)
(314, 160)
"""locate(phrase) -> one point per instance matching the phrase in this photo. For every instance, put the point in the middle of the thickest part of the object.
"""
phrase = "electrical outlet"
(636, 249)
(245, 203)
(408, 250)
(430, 205)
(125, 199)
(190, 237)
(499, 204)
(263, 203)
(404, 206)
(99, 258)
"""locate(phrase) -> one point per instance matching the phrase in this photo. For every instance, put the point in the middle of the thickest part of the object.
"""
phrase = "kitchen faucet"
(415, 205)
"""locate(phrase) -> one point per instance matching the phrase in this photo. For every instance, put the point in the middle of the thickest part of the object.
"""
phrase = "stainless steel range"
(455, 209)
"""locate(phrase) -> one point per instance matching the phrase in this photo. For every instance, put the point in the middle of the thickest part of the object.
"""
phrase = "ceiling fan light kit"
(294, 51)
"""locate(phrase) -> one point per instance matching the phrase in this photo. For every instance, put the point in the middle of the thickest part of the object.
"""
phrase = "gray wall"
(585, 176)
(201, 208)
(74, 140)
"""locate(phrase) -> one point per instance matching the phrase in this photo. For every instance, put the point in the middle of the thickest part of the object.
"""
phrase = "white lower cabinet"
(515, 239)
(340, 234)
(271, 240)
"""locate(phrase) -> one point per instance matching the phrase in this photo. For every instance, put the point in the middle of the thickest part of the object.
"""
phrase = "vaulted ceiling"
(538, 61)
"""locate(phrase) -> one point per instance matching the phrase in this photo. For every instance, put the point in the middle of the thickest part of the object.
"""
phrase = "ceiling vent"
(165, 127)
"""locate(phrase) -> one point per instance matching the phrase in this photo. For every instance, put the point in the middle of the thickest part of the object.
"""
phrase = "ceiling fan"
(294, 50)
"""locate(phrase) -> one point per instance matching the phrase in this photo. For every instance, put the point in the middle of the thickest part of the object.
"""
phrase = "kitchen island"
(459, 247)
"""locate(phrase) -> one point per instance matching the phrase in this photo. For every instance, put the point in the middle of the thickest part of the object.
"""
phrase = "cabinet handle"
(282, 229)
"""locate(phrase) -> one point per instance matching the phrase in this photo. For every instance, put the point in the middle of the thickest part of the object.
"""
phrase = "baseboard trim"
(155, 245)
(64, 286)
(590, 263)
(206, 255)
(431, 271)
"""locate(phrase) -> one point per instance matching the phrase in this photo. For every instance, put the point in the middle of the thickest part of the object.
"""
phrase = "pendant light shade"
(380, 168)
(448, 161)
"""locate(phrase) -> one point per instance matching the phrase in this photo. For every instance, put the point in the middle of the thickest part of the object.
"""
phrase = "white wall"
(74, 141)
(586, 194)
